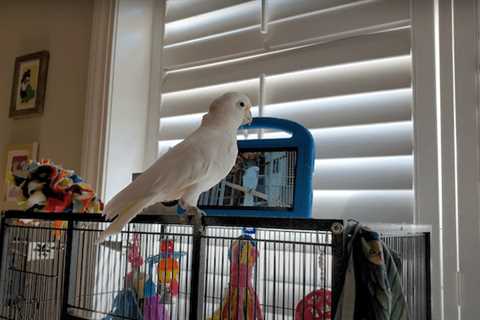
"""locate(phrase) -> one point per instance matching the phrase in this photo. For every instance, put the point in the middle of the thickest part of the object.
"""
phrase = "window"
(340, 68)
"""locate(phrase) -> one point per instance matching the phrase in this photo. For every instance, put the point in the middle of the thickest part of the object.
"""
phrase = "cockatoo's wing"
(167, 179)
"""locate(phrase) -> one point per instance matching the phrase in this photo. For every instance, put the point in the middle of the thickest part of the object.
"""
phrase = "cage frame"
(334, 226)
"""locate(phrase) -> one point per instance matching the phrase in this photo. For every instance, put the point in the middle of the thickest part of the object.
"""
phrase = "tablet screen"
(259, 180)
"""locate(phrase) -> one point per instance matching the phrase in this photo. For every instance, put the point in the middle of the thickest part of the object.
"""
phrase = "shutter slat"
(367, 76)
(392, 206)
(366, 47)
(223, 18)
(356, 109)
(198, 100)
(378, 140)
(344, 22)
(347, 110)
(230, 45)
(364, 173)
(281, 9)
(179, 127)
(227, 19)
(389, 139)
(318, 26)
(181, 9)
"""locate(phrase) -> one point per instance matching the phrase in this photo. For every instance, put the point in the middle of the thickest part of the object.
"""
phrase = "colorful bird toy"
(168, 267)
(44, 186)
(153, 307)
(47, 187)
(126, 304)
(241, 302)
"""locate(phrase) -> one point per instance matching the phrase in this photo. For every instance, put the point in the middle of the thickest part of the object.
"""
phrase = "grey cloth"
(372, 282)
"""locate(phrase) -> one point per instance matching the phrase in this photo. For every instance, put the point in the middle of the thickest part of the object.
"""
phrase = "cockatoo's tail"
(193, 166)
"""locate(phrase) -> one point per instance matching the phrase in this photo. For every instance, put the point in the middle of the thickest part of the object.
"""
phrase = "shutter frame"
(349, 83)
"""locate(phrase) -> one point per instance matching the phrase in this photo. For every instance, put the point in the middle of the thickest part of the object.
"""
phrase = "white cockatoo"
(193, 166)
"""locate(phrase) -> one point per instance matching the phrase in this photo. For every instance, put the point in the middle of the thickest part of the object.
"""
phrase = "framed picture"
(17, 155)
(29, 84)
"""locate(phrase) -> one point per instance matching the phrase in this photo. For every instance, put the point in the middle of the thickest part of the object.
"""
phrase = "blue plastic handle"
(299, 132)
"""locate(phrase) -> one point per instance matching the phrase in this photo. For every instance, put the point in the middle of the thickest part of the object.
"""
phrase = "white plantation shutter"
(340, 68)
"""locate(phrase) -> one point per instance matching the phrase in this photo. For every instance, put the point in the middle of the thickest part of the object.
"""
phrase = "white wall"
(63, 28)
(130, 93)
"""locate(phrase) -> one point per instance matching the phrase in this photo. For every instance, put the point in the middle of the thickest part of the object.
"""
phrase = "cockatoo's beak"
(247, 119)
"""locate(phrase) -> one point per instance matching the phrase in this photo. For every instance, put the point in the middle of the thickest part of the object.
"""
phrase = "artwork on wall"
(29, 84)
(17, 156)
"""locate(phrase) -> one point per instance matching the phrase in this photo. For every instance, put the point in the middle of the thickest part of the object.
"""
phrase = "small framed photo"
(29, 84)
(17, 156)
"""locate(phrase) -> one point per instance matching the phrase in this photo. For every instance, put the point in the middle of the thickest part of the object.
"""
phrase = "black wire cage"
(158, 268)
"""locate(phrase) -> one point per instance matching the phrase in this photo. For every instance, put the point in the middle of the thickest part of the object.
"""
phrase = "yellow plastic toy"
(168, 267)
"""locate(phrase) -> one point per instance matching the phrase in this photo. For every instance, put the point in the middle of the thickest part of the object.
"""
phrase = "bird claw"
(192, 215)
(194, 211)
(183, 218)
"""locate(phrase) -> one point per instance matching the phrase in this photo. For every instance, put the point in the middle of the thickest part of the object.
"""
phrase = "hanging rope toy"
(46, 187)
(241, 302)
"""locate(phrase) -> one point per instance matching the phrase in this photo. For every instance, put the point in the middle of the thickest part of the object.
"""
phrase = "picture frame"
(29, 84)
(16, 156)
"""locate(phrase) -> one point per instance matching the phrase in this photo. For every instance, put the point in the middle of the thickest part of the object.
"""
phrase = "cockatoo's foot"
(191, 215)
(195, 211)
(183, 218)
(195, 215)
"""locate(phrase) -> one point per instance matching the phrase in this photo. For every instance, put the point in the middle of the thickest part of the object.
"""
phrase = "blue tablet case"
(300, 141)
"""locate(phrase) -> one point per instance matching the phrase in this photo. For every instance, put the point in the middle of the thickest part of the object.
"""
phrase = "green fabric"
(376, 281)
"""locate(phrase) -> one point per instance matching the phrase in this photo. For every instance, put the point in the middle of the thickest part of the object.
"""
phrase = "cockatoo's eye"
(241, 104)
